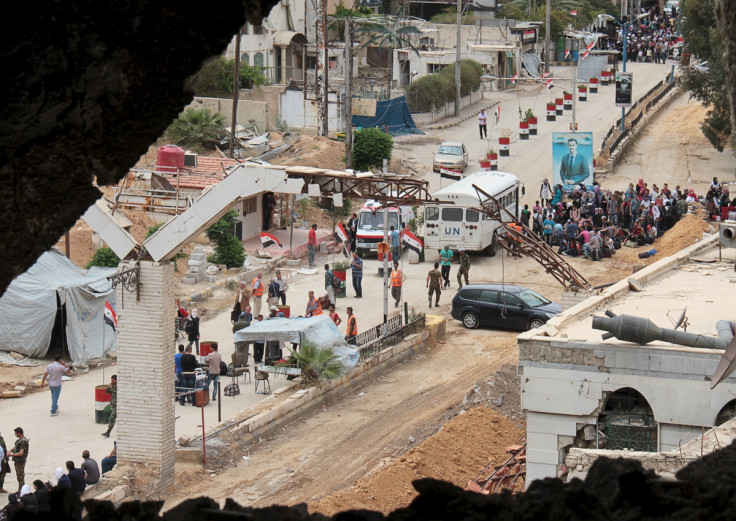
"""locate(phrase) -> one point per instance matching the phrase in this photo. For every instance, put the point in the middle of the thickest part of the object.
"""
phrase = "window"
(250, 205)
(450, 150)
(245, 59)
(374, 221)
(510, 300)
(258, 29)
(258, 59)
(470, 294)
(452, 214)
(489, 296)
(432, 213)
(472, 216)
(433, 68)
(532, 298)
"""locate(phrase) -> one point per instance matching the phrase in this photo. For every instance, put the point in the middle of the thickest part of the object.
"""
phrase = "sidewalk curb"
(461, 120)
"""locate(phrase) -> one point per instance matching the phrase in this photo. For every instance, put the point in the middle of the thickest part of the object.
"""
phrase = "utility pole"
(547, 57)
(348, 95)
(457, 58)
(321, 72)
(236, 94)
(575, 47)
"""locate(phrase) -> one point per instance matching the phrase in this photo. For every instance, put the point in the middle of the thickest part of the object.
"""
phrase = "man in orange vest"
(314, 308)
(257, 294)
(396, 281)
(352, 330)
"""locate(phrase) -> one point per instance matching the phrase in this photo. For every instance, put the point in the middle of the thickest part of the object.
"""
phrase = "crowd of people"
(39, 497)
(650, 39)
(594, 223)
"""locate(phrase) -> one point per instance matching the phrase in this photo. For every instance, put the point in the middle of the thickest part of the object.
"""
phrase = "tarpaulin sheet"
(392, 116)
(320, 331)
(531, 63)
(28, 309)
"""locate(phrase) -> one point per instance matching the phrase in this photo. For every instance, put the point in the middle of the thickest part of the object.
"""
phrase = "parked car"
(502, 305)
(451, 155)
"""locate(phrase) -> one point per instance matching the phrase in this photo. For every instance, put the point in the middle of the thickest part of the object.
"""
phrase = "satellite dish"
(726, 366)
(682, 320)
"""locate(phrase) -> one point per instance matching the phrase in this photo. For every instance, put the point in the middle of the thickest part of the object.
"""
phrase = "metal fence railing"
(396, 333)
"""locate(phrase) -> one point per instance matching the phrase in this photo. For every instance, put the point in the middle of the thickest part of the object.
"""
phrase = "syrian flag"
(513, 82)
(548, 83)
(567, 53)
(587, 50)
(267, 240)
(450, 174)
(111, 318)
(340, 234)
(498, 109)
(410, 240)
(573, 13)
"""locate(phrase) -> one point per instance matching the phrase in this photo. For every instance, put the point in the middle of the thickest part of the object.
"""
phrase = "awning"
(284, 38)
(492, 47)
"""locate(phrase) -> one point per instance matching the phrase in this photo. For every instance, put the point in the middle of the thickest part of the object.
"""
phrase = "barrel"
(205, 348)
(102, 405)
(286, 310)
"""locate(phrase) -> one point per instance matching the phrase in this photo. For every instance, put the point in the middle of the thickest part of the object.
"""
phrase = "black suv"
(502, 305)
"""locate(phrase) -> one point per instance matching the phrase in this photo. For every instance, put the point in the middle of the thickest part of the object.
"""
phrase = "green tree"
(372, 146)
(196, 129)
(703, 40)
(228, 248)
(104, 258)
(215, 79)
(316, 364)
(436, 89)
(449, 16)
(391, 34)
(559, 15)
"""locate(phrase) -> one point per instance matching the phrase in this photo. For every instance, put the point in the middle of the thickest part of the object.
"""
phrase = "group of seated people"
(76, 479)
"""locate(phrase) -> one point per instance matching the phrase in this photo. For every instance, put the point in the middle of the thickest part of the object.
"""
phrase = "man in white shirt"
(482, 123)
(54, 374)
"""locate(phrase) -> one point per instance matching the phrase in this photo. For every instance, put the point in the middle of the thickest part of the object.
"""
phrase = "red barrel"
(102, 404)
(286, 310)
(170, 158)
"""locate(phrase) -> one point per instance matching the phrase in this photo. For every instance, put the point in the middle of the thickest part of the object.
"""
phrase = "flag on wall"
(411, 241)
(111, 318)
(268, 240)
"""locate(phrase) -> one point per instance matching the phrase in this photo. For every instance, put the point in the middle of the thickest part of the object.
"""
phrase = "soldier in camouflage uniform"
(2, 464)
(433, 283)
(464, 268)
(19, 455)
(113, 390)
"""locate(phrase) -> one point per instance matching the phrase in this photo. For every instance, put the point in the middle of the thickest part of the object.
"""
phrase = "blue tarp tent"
(392, 116)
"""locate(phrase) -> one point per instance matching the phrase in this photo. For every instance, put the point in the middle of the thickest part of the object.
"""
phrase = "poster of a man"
(623, 89)
(572, 155)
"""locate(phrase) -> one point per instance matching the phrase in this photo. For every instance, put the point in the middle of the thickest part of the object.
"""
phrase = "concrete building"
(580, 391)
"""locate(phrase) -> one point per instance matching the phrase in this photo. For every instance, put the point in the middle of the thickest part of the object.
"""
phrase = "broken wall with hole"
(567, 384)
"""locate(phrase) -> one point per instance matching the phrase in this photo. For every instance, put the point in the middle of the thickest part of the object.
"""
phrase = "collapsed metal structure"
(524, 241)
(510, 475)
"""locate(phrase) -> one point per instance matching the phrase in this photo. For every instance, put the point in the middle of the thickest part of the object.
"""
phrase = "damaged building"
(588, 388)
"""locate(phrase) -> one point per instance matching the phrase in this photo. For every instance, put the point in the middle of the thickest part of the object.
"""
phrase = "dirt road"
(332, 449)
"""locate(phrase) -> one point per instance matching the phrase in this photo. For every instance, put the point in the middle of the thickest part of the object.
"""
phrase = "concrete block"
(635, 285)
(698, 366)
(549, 457)
(632, 361)
(666, 364)
(188, 455)
(194, 263)
(655, 362)
(678, 364)
(11, 394)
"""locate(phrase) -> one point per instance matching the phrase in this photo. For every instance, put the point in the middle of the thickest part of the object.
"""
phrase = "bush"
(196, 129)
(437, 89)
(228, 248)
(104, 258)
(215, 79)
(470, 73)
(371, 147)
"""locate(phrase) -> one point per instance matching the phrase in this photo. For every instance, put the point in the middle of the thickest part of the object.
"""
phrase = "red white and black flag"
(268, 240)
(340, 234)
(111, 318)
(410, 240)
(513, 82)
(450, 174)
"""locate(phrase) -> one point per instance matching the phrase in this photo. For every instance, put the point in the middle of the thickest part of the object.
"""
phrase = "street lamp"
(625, 27)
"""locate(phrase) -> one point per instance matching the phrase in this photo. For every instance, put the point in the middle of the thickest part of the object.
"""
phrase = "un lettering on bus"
(450, 230)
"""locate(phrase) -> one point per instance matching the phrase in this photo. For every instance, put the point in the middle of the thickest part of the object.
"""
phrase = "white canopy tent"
(320, 331)
(54, 285)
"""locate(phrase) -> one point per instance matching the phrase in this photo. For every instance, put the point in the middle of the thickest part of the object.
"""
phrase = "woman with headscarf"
(42, 495)
(12, 508)
(192, 329)
(62, 480)
(30, 503)
(724, 202)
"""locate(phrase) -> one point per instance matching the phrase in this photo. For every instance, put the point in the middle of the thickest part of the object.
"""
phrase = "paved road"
(530, 160)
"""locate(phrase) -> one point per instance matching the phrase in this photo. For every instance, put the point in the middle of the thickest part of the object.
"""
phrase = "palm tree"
(196, 129)
(316, 364)
(390, 35)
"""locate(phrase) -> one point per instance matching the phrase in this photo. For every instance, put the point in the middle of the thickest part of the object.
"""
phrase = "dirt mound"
(499, 392)
(456, 454)
(314, 151)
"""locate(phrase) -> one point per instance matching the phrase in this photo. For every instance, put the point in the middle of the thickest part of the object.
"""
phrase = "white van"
(460, 225)
(370, 224)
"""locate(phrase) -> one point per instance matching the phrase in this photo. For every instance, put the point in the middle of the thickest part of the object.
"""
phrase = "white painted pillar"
(145, 421)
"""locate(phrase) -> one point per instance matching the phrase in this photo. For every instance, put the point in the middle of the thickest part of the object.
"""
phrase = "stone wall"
(145, 421)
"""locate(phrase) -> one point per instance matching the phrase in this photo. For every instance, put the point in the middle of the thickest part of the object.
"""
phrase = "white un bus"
(459, 225)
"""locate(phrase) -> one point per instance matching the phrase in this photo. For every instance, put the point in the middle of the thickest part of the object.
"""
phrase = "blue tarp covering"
(391, 115)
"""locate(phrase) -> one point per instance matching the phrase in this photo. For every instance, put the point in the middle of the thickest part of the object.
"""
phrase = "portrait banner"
(572, 159)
